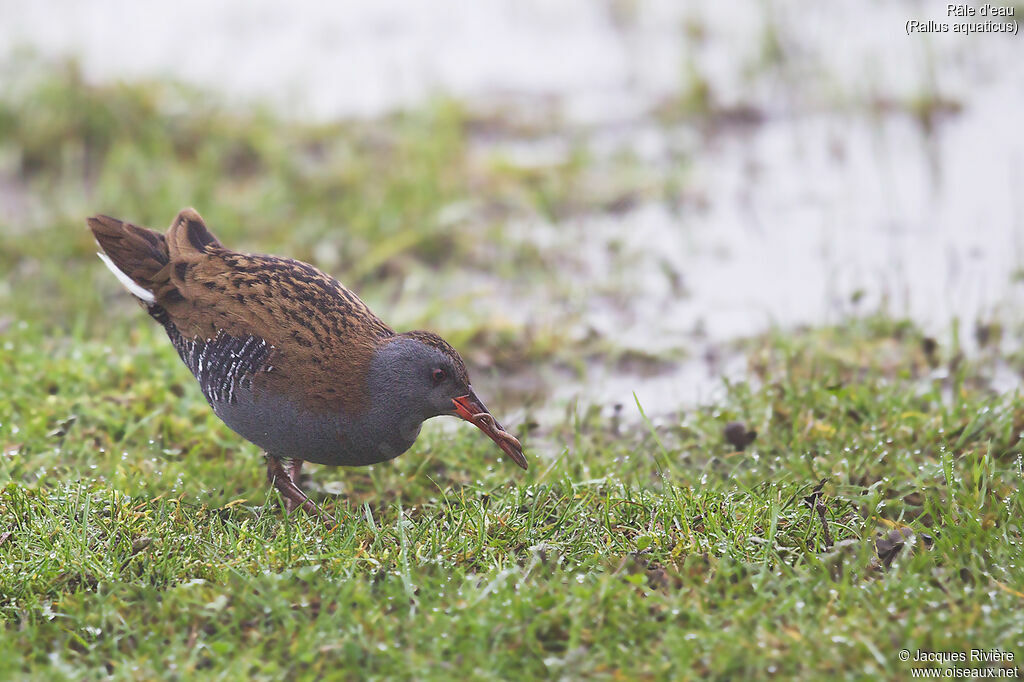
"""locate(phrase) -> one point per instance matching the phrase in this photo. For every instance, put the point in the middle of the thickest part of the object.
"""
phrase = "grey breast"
(286, 429)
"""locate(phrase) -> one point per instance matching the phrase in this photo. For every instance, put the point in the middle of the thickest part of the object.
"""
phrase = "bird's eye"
(438, 375)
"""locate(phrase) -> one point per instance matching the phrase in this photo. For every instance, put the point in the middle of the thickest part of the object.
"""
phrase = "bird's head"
(432, 380)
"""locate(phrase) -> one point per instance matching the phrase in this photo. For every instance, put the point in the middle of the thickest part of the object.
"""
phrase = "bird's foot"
(284, 479)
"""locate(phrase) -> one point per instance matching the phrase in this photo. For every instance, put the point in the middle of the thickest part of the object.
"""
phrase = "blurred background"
(590, 199)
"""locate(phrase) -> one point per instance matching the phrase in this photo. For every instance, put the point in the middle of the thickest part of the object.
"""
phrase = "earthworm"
(485, 421)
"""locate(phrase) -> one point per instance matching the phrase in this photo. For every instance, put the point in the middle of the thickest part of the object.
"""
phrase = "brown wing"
(322, 336)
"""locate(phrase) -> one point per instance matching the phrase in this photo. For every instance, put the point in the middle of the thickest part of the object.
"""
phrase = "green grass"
(143, 540)
(138, 538)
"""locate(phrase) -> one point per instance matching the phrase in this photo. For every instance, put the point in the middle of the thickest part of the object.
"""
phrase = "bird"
(287, 357)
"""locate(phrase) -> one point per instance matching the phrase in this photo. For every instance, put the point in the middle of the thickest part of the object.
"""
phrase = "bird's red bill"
(470, 408)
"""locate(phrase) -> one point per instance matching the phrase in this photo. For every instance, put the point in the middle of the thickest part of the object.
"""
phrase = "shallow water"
(838, 159)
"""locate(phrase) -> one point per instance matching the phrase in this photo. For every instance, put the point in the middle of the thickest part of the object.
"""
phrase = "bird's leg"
(293, 497)
(295, 470)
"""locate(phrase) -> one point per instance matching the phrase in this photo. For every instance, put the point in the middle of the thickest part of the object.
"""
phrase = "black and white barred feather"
(222, 364)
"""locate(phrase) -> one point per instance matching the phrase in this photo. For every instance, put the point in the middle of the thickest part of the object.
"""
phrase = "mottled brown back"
(323, 335)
